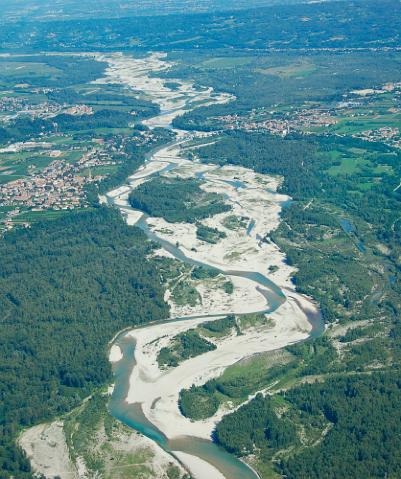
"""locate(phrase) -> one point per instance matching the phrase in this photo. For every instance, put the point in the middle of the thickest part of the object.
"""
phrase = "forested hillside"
(41, 9)
(357, 416)
(66, 288)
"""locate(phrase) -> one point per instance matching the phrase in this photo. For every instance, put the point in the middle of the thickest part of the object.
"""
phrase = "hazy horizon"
(70, 9)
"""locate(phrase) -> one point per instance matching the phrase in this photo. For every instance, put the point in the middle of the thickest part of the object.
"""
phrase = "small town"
(310, 120)
(13, 107)
(388, 135)
(59, 186)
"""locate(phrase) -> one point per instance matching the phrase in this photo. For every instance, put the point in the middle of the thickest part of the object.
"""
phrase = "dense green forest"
(220, 326)
(25, 128)
(66, 287)
(349, 423)
(266, 153)
(176, 200)
(76, 9)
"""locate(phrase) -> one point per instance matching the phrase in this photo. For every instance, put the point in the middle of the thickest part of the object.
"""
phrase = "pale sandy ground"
(147, 169)
(244, 299)
(136, 74)
(46, 447)
(115, 354)
(162, 253)
(131, 216)
(198, 467)
(47, 450)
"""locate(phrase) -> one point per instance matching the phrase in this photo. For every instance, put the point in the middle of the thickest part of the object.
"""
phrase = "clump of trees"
(184, 346)
(176, 200)
(209, 235)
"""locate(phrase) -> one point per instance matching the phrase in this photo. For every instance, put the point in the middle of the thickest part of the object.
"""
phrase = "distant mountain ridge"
(14, 10)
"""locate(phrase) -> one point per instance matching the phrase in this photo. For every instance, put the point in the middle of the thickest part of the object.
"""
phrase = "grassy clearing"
(257, 320)
(348, 166)
(4, 210)
(265, 470)
(35, 216)
(11, 69)
(218, 328)
(185, 294)
(297, 69)
(99, 170)
(253, 370)
(226, 62)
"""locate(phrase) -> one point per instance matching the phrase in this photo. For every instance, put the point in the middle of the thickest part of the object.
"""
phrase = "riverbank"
(86, 443)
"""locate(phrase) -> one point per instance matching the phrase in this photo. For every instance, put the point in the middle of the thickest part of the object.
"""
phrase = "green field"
(45, 215)
(350, 126)
(226, 62)
(297, 69)
(99, 170)
(348, 166)
(12, 69)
